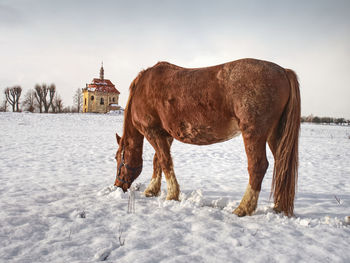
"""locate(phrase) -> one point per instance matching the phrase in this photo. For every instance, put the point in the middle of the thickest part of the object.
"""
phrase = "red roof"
(102, 85)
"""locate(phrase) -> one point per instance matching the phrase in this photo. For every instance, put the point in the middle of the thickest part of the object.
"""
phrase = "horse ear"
(118, 138)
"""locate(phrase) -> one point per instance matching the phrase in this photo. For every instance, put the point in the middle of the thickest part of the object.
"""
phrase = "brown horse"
(202, 106)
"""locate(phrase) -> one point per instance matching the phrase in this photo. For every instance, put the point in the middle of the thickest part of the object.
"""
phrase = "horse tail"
(285, 173)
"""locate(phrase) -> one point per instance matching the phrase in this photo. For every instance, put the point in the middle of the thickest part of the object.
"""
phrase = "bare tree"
(50, 90)
(67, 109)
(41, 92)
(3, 107)
(57, 105)
(29, 101)
(18, 91)
(12, 96)
(53, 105)
(78, 100)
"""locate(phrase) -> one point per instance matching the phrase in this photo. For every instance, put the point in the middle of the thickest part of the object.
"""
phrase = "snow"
(58, 202)
(118, 112)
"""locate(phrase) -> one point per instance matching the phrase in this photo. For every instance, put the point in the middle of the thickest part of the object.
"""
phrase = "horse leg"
(162, 146)
(257, 165)
(273, 144)
(153, 188)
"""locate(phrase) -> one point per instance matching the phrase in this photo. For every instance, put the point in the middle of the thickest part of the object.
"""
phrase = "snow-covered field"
(58, 203)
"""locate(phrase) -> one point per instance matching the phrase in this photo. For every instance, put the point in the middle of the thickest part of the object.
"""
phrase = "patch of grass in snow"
(337, 199)
(131, 202)
(120, 235)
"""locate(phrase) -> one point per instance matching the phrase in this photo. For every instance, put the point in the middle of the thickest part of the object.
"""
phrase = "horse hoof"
(150, 193)
(240, 212)
(277, 210)
(175, 198)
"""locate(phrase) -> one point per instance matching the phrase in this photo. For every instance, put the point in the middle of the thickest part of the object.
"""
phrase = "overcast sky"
(64, 42)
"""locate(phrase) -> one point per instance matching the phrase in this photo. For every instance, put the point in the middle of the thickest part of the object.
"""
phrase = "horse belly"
(204, 134)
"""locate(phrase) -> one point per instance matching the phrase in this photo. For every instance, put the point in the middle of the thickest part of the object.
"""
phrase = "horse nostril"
(125, 188)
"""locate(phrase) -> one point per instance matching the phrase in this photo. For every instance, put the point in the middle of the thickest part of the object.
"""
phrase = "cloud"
(10, 16)
(65, 41)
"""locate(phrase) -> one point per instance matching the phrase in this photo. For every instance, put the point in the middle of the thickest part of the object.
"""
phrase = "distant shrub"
(316, 120)
(325, 120)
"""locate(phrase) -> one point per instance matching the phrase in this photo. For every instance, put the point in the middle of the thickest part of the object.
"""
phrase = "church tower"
(102, 72)
(100, 96)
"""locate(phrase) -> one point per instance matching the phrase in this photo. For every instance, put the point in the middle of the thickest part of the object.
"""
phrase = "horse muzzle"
(123, 185)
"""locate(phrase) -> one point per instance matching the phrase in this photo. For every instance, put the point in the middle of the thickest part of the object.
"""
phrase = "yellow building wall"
(86, 103)
(94, 105)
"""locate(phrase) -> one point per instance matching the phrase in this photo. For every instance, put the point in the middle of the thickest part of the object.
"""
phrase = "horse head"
(127, 172)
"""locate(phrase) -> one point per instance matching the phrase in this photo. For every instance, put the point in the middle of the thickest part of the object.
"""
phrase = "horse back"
(208, 105)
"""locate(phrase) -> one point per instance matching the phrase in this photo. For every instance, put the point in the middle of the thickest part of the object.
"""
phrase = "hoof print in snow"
(138, 187)
(82, 214)
(103, 255)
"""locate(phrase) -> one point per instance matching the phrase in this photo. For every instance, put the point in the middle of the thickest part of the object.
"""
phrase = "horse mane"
(132, 90)
(133, 84)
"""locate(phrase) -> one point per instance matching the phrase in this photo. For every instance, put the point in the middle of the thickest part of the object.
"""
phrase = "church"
(101, 95)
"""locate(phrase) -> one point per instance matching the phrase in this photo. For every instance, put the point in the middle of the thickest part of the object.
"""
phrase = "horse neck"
(133, 141)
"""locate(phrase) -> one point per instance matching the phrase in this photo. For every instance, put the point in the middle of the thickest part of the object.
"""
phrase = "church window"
(92, 97)
(102, 101)
(113, 99)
